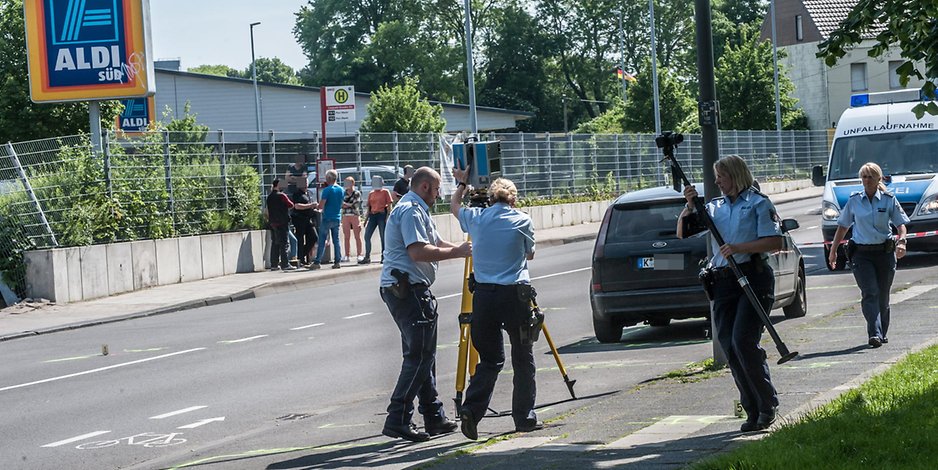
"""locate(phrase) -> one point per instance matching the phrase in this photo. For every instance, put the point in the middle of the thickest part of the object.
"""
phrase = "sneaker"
(365, 261)
(336, 265)
(274, 268)
(345, 259)
(290, 268)
(314, 266)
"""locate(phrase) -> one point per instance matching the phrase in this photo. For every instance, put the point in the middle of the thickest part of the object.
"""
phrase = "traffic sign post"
(337, 104)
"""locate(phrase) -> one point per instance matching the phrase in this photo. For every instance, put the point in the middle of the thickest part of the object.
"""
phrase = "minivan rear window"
(644, 222)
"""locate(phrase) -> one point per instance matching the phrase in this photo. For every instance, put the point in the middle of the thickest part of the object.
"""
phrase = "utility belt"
(530, 325)
(757, 264)
(403, 289)
(887, 246)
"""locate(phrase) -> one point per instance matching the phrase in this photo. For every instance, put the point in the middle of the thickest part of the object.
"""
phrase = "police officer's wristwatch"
(901, 241)
(461, 184)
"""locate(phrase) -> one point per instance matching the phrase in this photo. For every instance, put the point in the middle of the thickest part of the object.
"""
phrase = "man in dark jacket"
(303, 223)
(278, 215)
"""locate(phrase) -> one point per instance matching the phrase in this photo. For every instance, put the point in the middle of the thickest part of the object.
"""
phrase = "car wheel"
(607, 331)
(841, 259)
(660, 322)
(799, 305)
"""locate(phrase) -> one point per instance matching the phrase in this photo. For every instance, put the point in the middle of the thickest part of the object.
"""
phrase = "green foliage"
(20, 118)
(610, 122)
(746, 89)
(883, 423)
(220, 70)
(400, 108)
(675, 102)
(273, 70)
(597, 190)
(908, 26)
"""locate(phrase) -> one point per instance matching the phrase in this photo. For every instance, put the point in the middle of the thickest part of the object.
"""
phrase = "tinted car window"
(643, 223)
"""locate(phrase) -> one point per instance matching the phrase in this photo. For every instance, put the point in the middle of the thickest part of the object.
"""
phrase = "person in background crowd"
(330, 203)
(403, 185)
(352, 217)
(378, 207)
(278, 213)
(410, 264)
(303, 216)
(874, 251)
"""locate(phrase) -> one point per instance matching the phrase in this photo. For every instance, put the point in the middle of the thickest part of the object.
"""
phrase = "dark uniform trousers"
(739, 329)
(418, 344)
(496, 307)
(874, 272)
(306, 238)
(279, 247)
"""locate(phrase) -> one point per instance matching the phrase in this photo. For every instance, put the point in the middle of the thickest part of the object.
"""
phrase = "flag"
(624, 76)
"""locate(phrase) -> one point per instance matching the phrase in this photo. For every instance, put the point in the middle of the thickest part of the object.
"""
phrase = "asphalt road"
(311, 371)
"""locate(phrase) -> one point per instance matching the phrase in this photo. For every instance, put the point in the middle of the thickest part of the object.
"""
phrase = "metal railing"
(60, 192)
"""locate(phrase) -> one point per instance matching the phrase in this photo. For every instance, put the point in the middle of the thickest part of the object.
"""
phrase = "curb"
(261, 290)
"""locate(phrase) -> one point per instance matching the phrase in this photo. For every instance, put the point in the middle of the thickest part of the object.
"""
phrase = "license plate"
(662, 262)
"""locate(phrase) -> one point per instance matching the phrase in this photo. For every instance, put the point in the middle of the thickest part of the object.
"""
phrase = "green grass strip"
(891, 421)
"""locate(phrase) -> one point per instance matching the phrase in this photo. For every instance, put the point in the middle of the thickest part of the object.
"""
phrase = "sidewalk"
(24, 320)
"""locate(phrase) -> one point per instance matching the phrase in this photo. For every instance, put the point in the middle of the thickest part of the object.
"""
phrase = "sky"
(201, 32)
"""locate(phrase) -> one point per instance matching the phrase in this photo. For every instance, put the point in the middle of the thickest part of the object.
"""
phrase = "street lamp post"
(257, 111)
(778, 105)
(622, 55)
(473, 123)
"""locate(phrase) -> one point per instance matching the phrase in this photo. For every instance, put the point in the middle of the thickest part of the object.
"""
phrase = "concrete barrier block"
(212, 262)
(93, 271)
(577, 212)
(145, 273)
(258, 240)
(167, 261)
(73, 268)
(236, 252)
(120, 273)
(566, 215)
(46, 276)
(190, 259)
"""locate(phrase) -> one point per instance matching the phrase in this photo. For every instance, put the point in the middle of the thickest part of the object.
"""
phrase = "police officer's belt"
(755, 266)
(877, 248)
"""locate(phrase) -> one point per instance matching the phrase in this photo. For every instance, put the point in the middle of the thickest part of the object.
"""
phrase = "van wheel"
(607, 331)
(841, 259)
(660, 322)
(799, 305)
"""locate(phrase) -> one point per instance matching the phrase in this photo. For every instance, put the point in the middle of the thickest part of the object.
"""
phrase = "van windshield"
(900, 153)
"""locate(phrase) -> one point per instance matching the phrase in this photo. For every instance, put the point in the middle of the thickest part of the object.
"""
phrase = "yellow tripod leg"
(563, 370)
(467, 357)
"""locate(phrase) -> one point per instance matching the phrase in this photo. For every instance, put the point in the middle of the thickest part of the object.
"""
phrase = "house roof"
(828, 14)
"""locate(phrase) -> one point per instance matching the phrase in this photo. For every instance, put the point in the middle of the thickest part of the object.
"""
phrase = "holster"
(707, 280)
(530, 328)
(851, 248)
(889, 245)
(401, 289)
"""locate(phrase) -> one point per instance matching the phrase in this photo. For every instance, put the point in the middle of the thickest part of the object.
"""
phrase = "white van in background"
(881, 128)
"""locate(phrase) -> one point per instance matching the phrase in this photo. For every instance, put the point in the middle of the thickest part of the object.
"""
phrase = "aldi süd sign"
(137, 115)
(88, 49)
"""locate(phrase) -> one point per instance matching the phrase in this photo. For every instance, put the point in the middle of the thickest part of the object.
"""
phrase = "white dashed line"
(178, 412)
(359, 315)
(76, 439)
(243, 340)
(306, 326)
(100, 369)
(533, 279)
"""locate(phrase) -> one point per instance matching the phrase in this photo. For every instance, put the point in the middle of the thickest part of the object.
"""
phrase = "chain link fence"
(61, 192)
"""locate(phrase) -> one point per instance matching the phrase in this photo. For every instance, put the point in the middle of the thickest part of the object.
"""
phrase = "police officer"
(410, 262)
(873, 249)
(750, 228)
(503, 242)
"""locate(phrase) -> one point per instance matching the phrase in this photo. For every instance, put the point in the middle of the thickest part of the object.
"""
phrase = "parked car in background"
(641, 271)
(363, 176)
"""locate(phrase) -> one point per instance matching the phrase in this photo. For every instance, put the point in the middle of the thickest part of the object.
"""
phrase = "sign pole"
(322, 110)
(94, 122)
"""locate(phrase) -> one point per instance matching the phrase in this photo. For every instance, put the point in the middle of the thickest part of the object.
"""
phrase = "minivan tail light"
(597, 287)
(600, 247)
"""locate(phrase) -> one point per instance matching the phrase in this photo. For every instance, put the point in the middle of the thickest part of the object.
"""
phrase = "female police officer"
(503, 241)
(873, 249)
(749, 225)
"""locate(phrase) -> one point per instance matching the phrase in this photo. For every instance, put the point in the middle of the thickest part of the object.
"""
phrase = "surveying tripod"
(468, 357)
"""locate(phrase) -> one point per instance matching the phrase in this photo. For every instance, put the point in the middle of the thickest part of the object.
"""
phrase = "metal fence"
(60, 192)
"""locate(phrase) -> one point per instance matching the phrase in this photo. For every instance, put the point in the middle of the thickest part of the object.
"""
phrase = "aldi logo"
(88, 49)
(137, 115)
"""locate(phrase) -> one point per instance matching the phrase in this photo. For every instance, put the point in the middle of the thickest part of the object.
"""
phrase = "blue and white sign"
(137, 115)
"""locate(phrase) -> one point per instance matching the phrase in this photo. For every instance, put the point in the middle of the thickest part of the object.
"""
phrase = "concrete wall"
(67, 275)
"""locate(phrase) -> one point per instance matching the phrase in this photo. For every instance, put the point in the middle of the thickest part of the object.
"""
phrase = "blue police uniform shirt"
(408, 223)
(502, 238)
(750, 217)
(871, 219)
(333, 195)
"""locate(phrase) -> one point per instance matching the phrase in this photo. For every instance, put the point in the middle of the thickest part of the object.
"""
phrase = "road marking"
(842, 286)
(178, 412)
(100, 369)
(334, 426)
(143, 350)
(70, 358)
(450, 296)
(359, 315)
(243, 340)
(306, 326)
(202, 422)
(76, 439)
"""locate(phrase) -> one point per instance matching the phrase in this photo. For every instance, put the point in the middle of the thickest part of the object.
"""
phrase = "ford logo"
(659, 244)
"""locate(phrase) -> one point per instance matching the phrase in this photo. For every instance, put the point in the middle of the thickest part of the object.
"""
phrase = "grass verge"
(888, 422)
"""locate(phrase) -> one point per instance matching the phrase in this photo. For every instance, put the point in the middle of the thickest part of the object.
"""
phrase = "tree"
(746, 89)
(20, 118)
(401, 108)
(272, 70)
(910, 26)
(675, 101)
(220, 70)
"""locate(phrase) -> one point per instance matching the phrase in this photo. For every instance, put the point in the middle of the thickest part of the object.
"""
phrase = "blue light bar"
(859, 100)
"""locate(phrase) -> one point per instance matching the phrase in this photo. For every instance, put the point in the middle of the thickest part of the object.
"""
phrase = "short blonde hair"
(503, 190)
(350, 179)
(872, 169)
(737, 170)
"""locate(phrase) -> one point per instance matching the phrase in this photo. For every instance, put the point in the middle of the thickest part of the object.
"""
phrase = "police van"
(881, 128)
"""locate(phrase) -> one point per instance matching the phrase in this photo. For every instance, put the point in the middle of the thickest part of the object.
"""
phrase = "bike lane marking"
(178, 412)
(75, 439)
(306, 326)
(100, 369)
